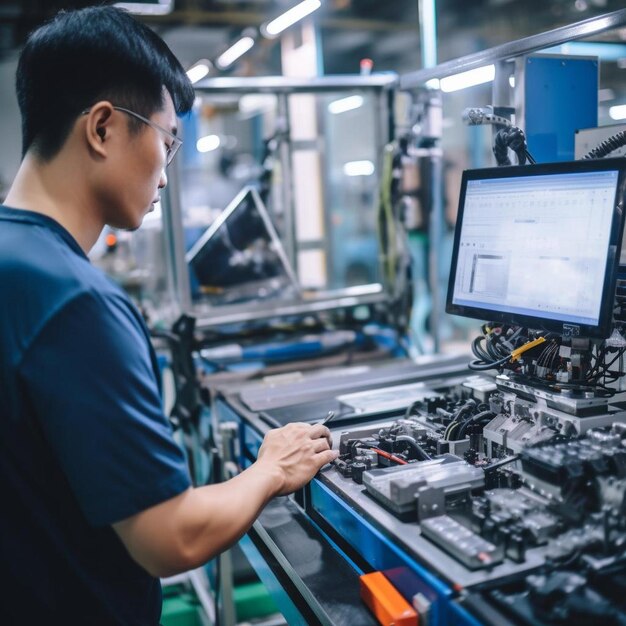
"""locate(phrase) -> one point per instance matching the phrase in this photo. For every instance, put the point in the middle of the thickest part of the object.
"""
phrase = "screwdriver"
(330, 416)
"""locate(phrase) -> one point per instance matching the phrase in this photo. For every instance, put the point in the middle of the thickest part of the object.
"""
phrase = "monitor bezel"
(224, 216)
(603, 328)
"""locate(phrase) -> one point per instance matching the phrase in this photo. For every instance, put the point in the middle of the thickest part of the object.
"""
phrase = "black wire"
(481, 366)
(493, 351)
(607, 146)
(456, 417)
(604, 368)
(478, 350)
(416, 447)
(410, 408)
(473, 420)
(514, 138)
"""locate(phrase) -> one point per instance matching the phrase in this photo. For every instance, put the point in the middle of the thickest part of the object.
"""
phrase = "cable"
(411, 407)
(474, 420)
(484, 364)
(416, 446)
(514, 138)
(468, 406)
(452, 429)
(607, 146)
(391, 457)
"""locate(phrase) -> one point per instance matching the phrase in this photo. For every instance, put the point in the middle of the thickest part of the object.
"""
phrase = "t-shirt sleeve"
(89, 376)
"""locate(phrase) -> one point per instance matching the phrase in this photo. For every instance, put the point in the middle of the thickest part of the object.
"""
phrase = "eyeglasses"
(171, 149)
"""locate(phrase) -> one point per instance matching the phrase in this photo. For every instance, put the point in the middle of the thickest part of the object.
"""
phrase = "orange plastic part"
(385, 602)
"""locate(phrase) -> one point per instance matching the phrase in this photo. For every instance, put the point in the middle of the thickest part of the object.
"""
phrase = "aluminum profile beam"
(507, 51)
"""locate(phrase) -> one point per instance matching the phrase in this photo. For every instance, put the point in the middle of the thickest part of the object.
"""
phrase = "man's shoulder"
(41, 259)
(41, 277)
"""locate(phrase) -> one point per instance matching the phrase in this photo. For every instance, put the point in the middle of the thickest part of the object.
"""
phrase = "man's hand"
(192, 527)
(294, 454)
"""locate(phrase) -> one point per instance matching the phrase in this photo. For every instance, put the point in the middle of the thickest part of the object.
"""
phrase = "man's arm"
(188, 530)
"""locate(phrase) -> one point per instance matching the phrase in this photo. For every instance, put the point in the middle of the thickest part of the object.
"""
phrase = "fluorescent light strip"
(468, 79)
(208, 143)
(358, 168)
(237, 50)
(290, 17)
(197, 72)
(345, 104)
(618, 112)
(163, 7)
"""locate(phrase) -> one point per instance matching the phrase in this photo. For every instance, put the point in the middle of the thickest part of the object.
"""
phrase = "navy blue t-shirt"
(83, 439)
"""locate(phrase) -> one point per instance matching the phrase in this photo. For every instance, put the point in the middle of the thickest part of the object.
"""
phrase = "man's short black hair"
(81, 57)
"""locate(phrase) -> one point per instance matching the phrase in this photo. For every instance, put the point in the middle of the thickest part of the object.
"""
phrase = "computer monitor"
(240, 258)
(539, 245)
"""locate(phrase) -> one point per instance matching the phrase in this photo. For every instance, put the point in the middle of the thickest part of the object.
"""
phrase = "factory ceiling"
(387, 32)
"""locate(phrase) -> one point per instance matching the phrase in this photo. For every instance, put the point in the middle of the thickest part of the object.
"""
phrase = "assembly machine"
(468, 490)
(481, 498)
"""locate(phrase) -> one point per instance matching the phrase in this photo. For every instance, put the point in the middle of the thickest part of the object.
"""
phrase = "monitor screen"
(539, 245)
(240, 258)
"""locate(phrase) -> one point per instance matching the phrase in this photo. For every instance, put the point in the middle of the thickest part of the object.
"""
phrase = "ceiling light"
(358, 168)
(199, 70)
(238, 49)
(512, 81)
(345, 104)
(618, 112)
(208, 143)
(468, 79)
(287, 19)
(155, 7)
(433, 83)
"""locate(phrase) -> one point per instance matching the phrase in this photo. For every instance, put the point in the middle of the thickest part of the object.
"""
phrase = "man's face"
(138, 171)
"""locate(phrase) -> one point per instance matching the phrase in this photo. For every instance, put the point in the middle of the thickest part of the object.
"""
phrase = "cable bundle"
(514, 138)
(607, 146)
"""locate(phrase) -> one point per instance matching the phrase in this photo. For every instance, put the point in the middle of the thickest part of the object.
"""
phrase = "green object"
(252, 600)
(180, 608)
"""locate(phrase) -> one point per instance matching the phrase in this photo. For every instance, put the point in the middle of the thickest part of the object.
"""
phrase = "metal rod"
(175, 238)
(328, 418)
(428, 32)
(579, 30)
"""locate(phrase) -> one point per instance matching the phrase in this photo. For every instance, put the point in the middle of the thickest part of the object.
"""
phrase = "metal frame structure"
(383, 86)
(508, 51)
(272, 559)
(502, 56)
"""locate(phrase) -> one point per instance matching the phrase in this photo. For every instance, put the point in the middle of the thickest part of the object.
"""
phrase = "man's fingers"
(321, 444)
(328, 456)
(319, 430)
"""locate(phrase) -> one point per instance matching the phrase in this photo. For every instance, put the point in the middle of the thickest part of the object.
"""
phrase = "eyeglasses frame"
(176, 141)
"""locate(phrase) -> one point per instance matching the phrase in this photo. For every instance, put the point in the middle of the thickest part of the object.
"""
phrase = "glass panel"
(351, 125)
(314, 160)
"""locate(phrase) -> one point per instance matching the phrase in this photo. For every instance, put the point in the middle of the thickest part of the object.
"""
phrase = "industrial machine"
(467, 492)
(481, 498)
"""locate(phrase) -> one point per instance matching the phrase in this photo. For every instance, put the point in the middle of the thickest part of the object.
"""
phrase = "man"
(98, 501)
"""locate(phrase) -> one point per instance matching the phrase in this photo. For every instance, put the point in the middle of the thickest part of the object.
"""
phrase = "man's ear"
(97, 125)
